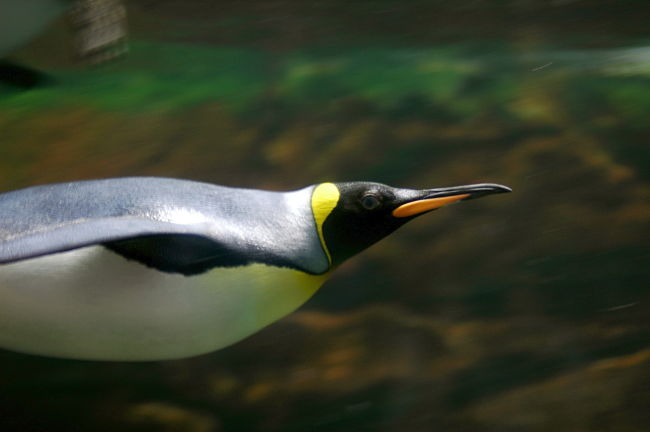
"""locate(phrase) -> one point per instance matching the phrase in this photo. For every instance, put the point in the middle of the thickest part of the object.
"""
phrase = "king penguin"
(156, 268)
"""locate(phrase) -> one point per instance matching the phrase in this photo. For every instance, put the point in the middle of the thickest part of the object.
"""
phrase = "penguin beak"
(431, 199)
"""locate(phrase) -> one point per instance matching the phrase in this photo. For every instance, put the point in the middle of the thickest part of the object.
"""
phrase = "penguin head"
(352, 216)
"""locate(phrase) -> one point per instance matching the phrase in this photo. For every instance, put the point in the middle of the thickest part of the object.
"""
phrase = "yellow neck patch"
(323, 200)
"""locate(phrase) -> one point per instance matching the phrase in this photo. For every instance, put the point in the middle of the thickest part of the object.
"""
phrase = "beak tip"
(484, 189)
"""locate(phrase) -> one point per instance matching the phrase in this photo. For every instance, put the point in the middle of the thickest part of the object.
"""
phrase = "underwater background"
(528, 311)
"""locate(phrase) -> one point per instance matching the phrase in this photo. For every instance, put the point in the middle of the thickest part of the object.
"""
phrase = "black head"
(367, 212)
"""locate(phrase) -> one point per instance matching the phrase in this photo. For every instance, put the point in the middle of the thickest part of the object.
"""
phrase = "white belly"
(91, 303)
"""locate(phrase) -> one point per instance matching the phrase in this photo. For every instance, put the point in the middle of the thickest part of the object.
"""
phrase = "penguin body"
(91, 303)
(153, 268)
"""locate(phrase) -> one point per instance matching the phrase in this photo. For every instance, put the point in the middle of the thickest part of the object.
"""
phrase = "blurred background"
(526, 311)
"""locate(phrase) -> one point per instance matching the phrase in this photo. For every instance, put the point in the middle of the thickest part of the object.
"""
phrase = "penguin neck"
(292, 232)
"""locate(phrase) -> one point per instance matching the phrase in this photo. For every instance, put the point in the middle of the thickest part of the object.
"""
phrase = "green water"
(520, 312)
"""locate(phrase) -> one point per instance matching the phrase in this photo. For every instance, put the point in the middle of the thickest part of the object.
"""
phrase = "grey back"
(271, 227)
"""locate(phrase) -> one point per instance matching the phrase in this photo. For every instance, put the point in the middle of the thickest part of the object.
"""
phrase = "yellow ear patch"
(323, 200)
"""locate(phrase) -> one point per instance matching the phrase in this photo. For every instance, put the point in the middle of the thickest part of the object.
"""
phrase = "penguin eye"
(370, 202)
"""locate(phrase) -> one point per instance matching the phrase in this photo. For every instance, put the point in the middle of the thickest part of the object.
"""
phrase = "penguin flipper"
(164, 246)
(56, 218)
(178, 253)
(127, 236)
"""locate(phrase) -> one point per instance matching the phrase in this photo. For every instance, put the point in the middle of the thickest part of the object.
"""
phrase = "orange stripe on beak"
(421, 206)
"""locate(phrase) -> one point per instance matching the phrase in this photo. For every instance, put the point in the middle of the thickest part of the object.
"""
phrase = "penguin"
(145, 268)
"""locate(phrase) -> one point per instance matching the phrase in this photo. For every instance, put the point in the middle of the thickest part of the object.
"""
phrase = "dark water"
(519, 312)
